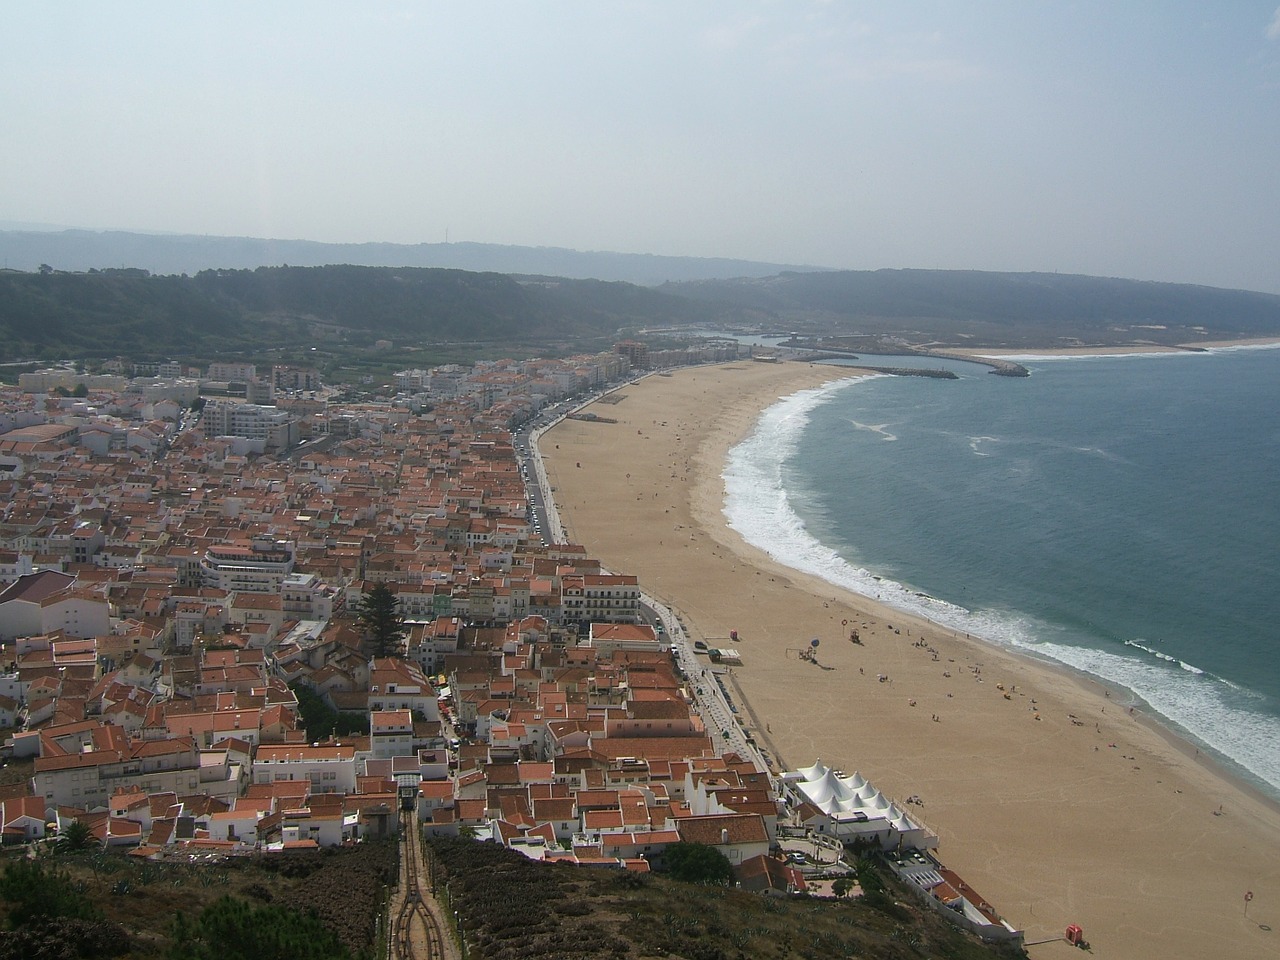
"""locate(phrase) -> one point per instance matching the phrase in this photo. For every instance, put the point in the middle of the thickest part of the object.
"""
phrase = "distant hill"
(1021, 308)
(133, 313)
(80, 250)
(128, 311)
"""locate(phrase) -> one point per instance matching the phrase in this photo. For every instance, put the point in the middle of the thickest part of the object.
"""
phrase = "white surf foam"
(1153, 354)
(877, 428)
(757, 505)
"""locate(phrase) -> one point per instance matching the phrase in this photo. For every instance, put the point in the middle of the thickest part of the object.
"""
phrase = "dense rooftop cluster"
(168, 609)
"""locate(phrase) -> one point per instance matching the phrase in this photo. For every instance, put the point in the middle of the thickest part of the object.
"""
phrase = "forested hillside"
(134, 313)
(51, 313)
(1024, 307)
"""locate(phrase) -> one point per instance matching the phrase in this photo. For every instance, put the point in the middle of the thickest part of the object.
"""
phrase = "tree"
(869, 877)
(74, 837)
(697, 863)
(874, 891)
(34, 894)
(317, 716)
(842, 886)
(231, 929)
(379, 614)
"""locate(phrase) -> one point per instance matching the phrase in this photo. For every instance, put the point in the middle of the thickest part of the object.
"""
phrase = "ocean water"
(1120, 515)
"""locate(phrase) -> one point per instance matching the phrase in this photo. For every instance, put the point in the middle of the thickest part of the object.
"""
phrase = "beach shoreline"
(1117, 351)
(1054, 806)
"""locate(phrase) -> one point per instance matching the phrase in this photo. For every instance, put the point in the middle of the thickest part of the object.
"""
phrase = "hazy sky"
(1116, 137)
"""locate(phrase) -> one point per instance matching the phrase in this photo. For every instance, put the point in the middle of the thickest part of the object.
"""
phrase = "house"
(739, 836)
(610, 638)
(399, 685)
(765, 874)
(88, 776)
(391, 733)
(22, 819)
(48, 601)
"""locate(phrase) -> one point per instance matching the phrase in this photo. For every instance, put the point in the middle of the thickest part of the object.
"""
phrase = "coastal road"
(712, 700)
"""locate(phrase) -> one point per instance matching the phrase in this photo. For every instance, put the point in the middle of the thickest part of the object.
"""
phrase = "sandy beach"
(1050, 798)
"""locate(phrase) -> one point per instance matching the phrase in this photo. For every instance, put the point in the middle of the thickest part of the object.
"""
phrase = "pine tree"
(378, 612)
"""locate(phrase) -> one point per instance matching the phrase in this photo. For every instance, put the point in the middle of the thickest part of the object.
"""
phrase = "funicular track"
(417, 933)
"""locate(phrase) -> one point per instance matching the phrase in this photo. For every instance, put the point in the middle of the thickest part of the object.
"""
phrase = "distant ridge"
(1000, 309)
(132, 312)
(80, 250)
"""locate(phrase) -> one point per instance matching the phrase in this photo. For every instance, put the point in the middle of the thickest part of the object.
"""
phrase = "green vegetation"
(378, 612)
(33, 892)
(439, 315)
(73, 907)
(341, 310)
(321, 721)
(994, 308)
(318, 905)
(697, 863)
(231, 929)
(74, 837)
(512, 908)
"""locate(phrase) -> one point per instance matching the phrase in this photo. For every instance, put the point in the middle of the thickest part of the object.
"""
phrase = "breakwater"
(999, 366)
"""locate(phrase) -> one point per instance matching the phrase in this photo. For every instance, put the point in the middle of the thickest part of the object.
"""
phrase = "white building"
(232, 371)
(613, 598)
(14, 565)
(304, 596)
(329, 769)
(272, 428)
(261, 566)
(400, 685)
(850, 808)
(391, 733)
(90, 778)
(44, 602)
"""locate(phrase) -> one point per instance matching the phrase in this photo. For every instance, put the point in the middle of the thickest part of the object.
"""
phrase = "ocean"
(1119, 515)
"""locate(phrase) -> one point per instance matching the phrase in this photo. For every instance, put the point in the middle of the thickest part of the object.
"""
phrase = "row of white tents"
(854, 808)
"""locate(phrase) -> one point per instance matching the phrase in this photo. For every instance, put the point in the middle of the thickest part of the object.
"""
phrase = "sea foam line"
(1144, 355)
(758, 506)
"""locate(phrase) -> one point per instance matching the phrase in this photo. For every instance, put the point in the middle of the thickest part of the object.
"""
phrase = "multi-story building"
(637, 353)
(228, 371)
(89, 778)
(304, 596)
(288, 378)
(614, 598)
(43, 602)
(391, 733)
(328, 768)
(400, 685)
(257, 567)
(274, 429)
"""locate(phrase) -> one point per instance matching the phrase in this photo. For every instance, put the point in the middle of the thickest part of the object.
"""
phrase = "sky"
(1135, 138)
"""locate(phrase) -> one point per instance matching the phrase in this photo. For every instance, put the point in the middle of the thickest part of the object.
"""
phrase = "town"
(247, 613)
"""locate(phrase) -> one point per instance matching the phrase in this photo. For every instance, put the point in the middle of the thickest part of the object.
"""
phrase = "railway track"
(416, 931)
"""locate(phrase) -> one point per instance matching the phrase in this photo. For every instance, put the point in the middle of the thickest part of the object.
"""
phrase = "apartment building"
(269, 427)
(260, 566)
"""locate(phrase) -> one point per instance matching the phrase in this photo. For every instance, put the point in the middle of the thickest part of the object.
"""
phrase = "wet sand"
(1049, 797)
